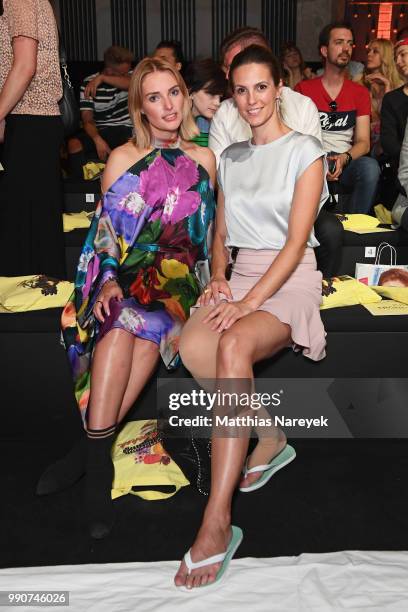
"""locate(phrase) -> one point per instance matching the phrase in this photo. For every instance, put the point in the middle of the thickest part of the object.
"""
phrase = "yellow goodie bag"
(141, 461)
(398, 294)
(346, 291)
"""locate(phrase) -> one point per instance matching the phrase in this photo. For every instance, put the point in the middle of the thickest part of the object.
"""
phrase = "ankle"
(216, 517)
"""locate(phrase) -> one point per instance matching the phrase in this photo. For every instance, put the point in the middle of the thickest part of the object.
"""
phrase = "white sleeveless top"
(258, 182)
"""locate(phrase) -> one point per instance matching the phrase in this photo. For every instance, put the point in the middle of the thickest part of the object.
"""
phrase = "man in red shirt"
(344, 108)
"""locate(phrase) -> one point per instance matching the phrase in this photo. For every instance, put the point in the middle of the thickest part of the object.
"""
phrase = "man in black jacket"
(394, 113)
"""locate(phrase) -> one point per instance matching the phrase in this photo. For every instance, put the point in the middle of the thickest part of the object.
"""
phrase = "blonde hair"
(388, 67)
(143, 136)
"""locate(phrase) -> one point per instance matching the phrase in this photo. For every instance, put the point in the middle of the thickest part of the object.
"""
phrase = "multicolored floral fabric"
(151, 232)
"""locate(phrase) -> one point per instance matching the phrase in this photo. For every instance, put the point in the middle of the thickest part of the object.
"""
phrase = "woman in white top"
(271, 189)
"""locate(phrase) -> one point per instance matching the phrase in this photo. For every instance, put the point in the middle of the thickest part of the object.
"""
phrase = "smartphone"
(331, 161)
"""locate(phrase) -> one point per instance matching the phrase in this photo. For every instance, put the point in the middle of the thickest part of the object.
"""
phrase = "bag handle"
(63, 61)
(393, 253)
(61, 49)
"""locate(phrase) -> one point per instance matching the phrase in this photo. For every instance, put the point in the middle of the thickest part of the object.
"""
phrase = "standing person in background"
(344, 108)
(380, 76)
(207, 86)
(299, 113)
(170, 51)
(31, 234)
(294, 68)
(104, 111)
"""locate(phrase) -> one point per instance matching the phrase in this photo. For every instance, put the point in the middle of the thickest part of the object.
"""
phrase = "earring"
(278, 103)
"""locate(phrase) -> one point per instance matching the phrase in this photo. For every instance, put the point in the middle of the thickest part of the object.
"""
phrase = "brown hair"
(290, 46)
(324, 36)
(116, 55)
(244, 37)
(142, 137)
(394, 274)
(255, 54)
(206, 74)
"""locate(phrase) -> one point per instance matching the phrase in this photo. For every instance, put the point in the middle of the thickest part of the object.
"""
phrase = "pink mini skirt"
(296, 303)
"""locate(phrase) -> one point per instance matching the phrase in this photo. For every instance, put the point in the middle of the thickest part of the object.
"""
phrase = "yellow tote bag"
(346, 291)
(140, 460)
(35, 292)
(358, 221)
(78, 220)
(398, 294)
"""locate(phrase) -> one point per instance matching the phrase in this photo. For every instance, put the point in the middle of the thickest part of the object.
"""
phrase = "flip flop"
(223, 558)
(286, 455)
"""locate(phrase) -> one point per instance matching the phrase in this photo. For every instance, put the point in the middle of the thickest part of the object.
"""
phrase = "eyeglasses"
(333, 107)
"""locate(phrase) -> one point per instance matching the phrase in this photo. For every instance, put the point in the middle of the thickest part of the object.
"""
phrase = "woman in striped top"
(207, 86)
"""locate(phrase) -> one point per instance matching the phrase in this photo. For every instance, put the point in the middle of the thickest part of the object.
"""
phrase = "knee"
(231, 345)
(74, 145)
(369, 169)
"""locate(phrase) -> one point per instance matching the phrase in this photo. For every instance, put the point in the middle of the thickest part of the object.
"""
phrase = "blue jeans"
(360, 177)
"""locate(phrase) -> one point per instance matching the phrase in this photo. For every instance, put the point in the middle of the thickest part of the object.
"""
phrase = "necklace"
(163, 143)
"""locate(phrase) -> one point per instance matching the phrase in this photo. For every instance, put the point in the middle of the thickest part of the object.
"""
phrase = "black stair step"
(81, 195)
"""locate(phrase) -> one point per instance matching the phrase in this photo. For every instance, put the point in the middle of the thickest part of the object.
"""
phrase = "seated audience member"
(400, 209)
(380, 76)
(394, 113)
(228, 126)
(394, 109)
(344, 108)
(207, 86)
(118, 322)
(300, 114)
(170, 51)
(293, 66)
(270, 303)
(31, 234)
(104, 111)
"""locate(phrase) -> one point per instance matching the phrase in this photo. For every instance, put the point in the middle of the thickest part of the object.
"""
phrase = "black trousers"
(31, 204)
(329, 232)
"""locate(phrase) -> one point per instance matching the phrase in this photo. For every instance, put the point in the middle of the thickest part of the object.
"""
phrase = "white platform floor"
(348, 580)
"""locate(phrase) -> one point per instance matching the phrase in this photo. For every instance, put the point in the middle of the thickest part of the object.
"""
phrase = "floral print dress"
(151, 233)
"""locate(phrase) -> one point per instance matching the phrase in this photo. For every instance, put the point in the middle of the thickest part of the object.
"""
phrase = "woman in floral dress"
(140, 271)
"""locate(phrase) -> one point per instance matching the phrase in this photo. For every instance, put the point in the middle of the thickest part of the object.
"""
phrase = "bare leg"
(122, 364)
(255, 337)
(121, 367)
(202, 365)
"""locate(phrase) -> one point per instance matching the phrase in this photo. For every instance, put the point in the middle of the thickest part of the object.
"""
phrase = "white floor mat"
(350, 580)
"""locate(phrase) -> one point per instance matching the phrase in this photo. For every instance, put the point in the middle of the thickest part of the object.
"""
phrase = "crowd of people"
(268, 139)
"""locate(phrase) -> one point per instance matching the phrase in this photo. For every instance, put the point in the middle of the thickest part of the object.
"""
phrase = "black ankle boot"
(98, 483)
(64, 472)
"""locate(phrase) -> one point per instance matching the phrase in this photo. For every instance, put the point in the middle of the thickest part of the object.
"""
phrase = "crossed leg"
(222, 356)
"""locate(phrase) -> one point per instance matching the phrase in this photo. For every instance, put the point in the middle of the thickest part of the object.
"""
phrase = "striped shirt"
(109, 106)
(204, 126)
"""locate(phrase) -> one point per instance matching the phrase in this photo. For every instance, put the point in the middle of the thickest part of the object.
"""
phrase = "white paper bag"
(369, 274)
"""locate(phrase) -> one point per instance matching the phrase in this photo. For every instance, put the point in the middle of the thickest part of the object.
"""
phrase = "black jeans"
(329, 232)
